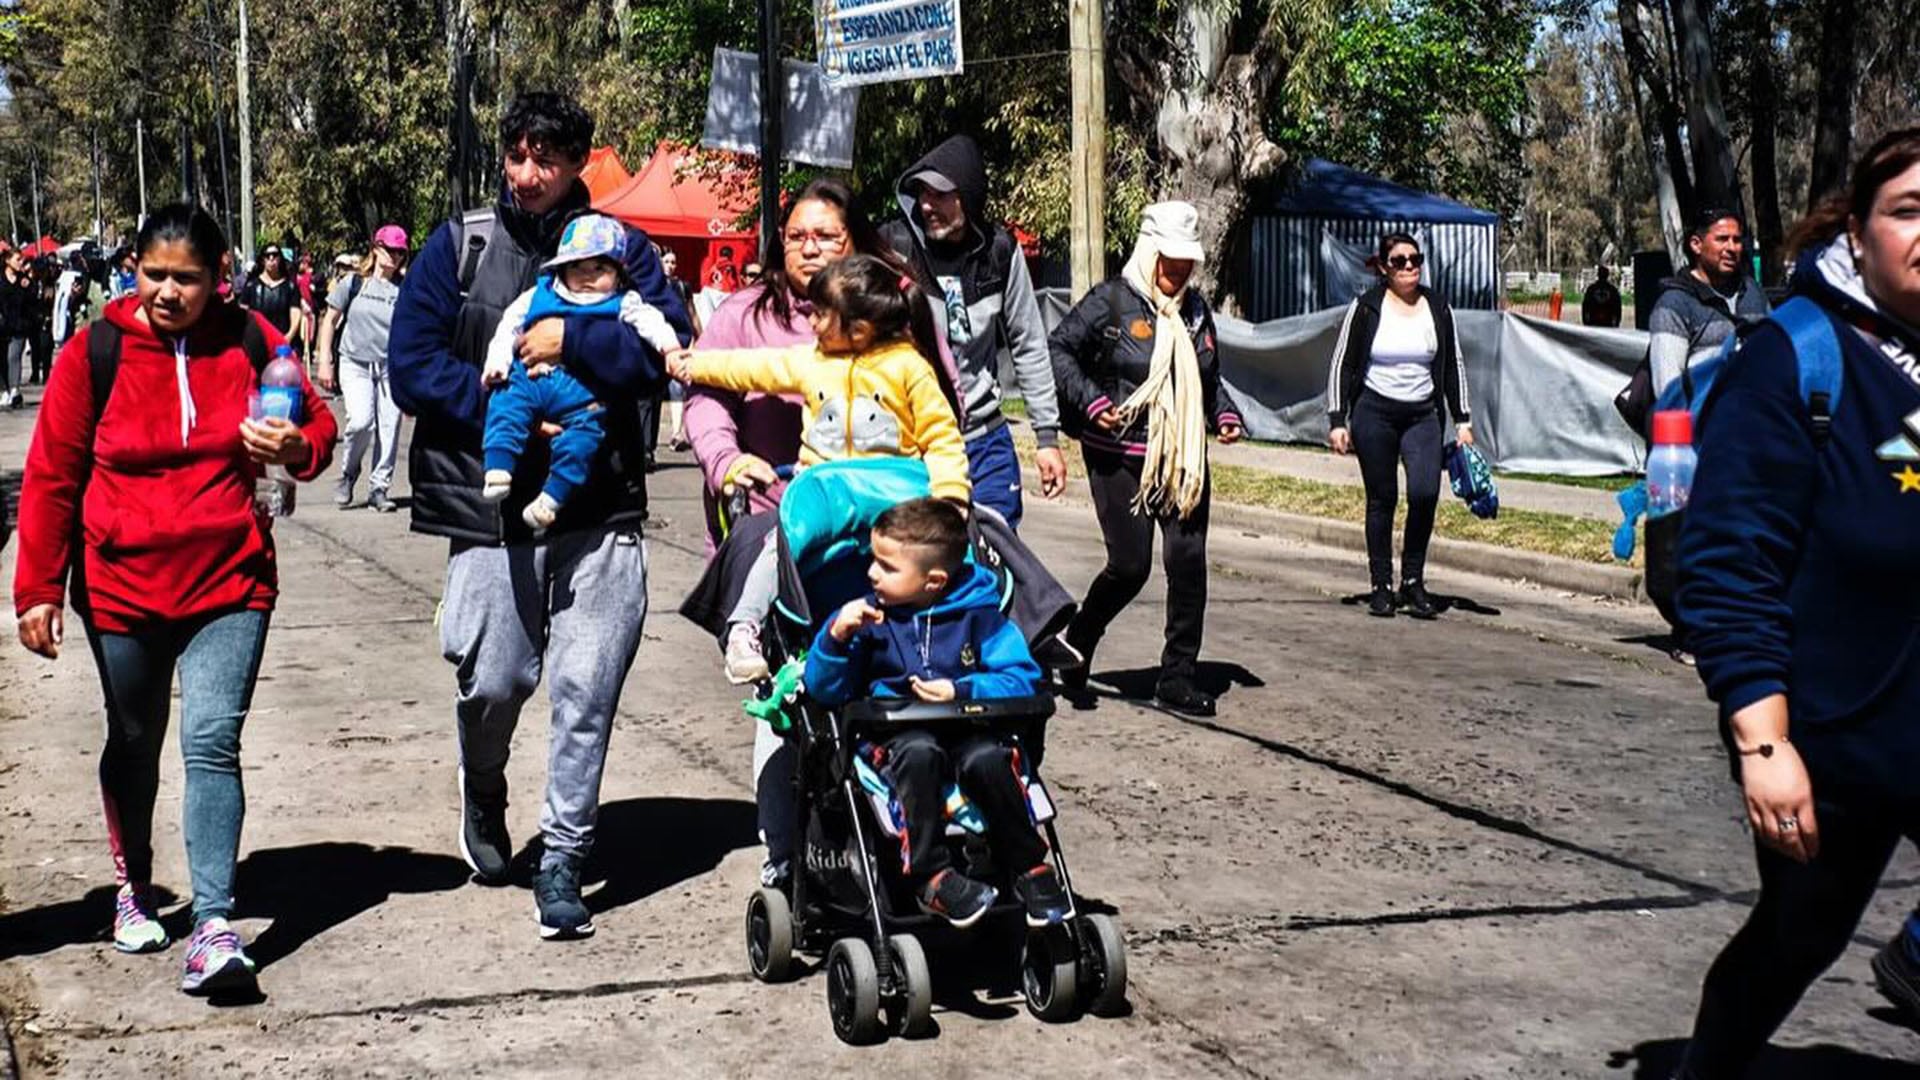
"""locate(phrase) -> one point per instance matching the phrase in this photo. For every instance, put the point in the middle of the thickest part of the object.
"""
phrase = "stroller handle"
(736, 499)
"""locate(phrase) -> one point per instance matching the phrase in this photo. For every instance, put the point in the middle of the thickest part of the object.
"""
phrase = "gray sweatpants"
(572, 605)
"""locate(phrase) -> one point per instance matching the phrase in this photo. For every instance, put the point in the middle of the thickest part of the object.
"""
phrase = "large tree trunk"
(1833, 103)
(1763, 98)
(1659, 117)
(1212, 139)
(1715, 180)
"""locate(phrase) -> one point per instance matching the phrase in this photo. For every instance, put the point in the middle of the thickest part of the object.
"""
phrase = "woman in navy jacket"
(1797, 583)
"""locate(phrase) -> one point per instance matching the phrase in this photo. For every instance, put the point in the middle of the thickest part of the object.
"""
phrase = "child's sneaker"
(215, 961)
(497, 484)
(1046, 902)
(956, 898)
(540, 513)
(136, 923)
(745, 661)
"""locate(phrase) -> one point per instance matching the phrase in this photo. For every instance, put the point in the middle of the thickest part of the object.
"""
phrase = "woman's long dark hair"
(862, 238)
(871, 289)
(1895, 153)
(185, 223)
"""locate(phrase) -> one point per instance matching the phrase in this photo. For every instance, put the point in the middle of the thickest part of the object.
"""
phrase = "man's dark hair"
(934, 527)
(1603, 274)
(547, 121)
(1708, 217)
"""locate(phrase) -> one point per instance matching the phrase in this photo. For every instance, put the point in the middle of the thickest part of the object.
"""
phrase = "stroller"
(844, 897)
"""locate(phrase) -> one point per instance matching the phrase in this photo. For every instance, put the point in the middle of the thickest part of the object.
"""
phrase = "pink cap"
(391, 236)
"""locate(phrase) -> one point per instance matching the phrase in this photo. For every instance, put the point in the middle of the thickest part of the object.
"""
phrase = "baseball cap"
(590, 236)
(934, 179)
(391, 236)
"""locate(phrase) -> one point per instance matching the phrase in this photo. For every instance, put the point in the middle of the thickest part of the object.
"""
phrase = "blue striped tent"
(1305, 243)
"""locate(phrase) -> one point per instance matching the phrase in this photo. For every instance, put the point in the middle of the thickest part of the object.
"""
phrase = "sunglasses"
(1402, 262)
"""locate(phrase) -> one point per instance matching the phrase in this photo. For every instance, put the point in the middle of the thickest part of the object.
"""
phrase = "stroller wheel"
(1047, 972)
(910, 1008)
(853, 992)
(1104, 959)
(769, 935)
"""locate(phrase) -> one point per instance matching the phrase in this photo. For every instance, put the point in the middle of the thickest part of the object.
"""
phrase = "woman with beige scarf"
(1139, 383)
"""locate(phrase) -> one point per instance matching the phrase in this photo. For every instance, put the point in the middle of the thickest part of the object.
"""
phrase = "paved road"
(1497, 845)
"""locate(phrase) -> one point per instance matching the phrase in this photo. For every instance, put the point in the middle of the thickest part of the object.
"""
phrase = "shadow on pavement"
(642, 846)
(1656, 1060)
(1210, 676)
(311, 888)
(85, 920)
(1441, 603)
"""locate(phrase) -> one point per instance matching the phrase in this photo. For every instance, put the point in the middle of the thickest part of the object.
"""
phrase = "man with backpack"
(1697, 311)
(570, 602)
(990, 302)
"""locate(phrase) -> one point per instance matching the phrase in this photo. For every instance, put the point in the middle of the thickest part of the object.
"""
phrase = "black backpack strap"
(354, 281)
(254, 340)
(103, 366)
(470, 236)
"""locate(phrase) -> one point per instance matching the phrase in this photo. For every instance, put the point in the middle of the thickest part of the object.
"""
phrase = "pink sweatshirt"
(723, 425)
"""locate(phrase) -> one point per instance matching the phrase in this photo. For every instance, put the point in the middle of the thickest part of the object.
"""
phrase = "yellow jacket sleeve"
(937, 434)
(744, 371)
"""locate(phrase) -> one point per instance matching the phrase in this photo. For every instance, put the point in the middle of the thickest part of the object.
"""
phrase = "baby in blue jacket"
(586, 276)
(933, 630)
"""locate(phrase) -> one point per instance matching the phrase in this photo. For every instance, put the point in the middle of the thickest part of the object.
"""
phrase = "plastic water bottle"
(279, 398)
(1670, 466)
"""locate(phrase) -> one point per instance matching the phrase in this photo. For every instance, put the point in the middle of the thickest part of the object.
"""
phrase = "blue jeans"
(995, 471)
(218, 658)
(514, 409)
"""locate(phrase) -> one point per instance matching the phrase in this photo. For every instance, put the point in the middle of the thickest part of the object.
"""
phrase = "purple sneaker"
(136, 923)
(215, 961)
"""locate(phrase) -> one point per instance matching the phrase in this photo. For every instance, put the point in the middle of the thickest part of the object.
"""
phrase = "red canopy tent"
(687, 213)
(605, 172)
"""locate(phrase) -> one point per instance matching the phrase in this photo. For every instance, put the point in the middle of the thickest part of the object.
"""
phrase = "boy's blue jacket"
(963, 637)
(1797, 570)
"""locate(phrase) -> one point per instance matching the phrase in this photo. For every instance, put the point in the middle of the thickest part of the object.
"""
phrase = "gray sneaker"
(379, 501)
(343, 492)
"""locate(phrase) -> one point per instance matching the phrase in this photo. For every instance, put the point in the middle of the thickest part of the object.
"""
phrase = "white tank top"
(1403, 348)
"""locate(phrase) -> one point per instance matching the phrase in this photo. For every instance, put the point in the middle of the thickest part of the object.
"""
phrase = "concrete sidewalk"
(1330, 468)
(1612, 580)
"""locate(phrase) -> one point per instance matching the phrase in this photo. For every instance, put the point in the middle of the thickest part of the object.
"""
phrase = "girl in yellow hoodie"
(868, 390)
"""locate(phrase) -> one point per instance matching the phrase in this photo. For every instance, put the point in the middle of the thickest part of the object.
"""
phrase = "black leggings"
(1114, 479)
(1386, 433)
(1805, 917)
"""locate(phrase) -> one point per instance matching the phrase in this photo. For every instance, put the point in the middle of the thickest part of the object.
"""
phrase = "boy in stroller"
(933, 630)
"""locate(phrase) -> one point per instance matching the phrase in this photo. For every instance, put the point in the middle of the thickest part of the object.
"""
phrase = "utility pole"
(219, 123)
(33, 175)
(140, 160)
(93, 157)
(773, 104)
(246, 143)
(13, 224)
(186, 163)
(1087, 66)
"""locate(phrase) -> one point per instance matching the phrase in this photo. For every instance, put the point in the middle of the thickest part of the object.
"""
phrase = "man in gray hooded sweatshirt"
(990, 303)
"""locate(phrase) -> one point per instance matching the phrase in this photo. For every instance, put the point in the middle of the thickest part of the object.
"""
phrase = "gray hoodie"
(991, 300)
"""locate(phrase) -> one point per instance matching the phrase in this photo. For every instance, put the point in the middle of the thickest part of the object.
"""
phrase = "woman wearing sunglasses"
(1397, 357)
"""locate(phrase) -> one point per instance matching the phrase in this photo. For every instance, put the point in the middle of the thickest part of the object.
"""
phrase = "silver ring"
(1788, 824)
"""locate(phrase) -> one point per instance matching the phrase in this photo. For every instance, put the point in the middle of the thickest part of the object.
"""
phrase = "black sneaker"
(1072, 664)
(1413, 597)
(484, 843)
(1178, 693)
(1039, 889)
(1380, 603)
(1898, 977)
(957, 898)
(556, 897)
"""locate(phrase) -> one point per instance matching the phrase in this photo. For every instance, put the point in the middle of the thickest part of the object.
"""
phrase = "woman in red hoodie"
(148, 498)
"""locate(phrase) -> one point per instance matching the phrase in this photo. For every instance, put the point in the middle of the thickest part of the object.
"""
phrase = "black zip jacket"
(1354, 352)
(1103, 350)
